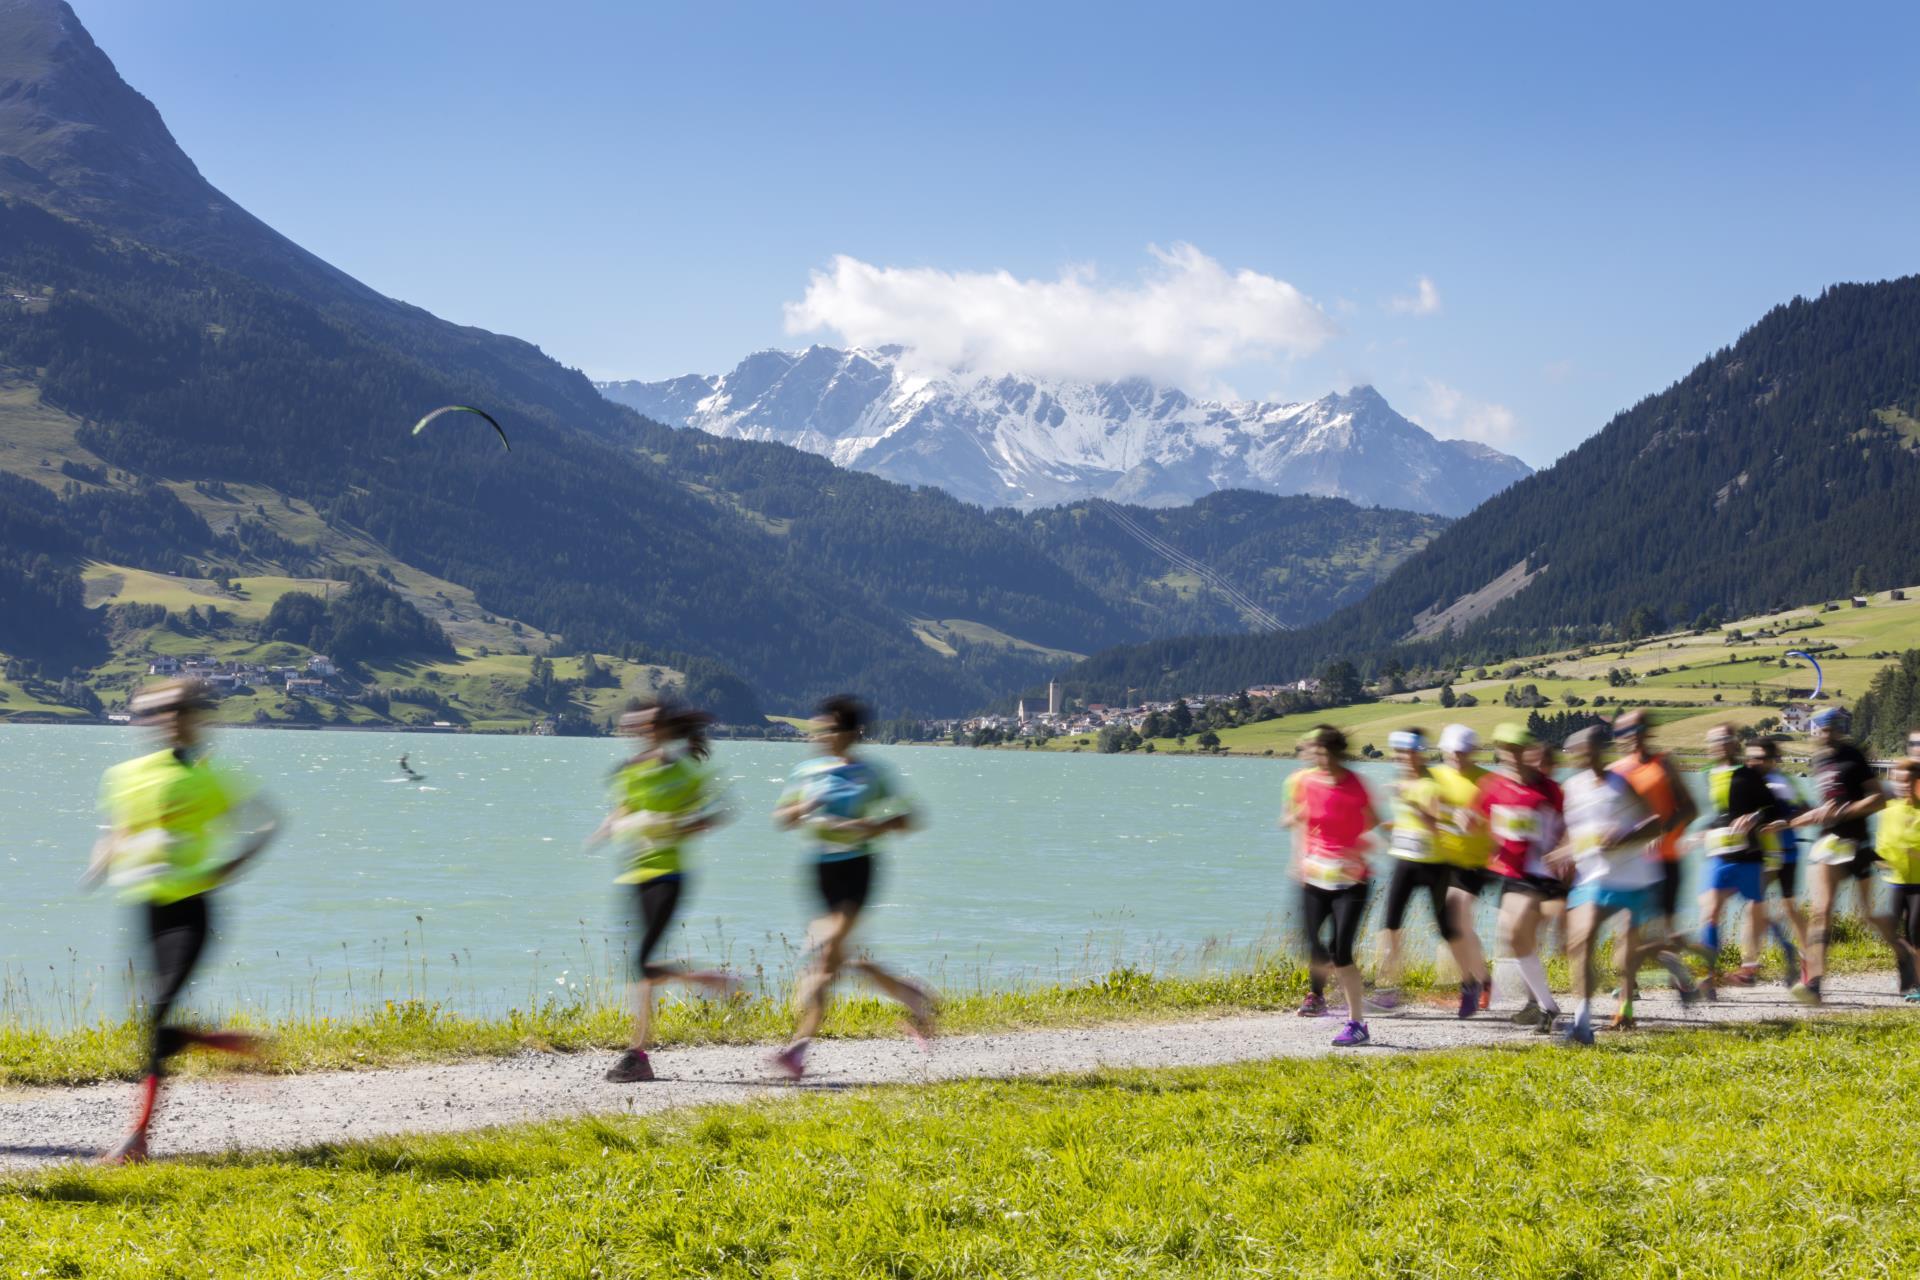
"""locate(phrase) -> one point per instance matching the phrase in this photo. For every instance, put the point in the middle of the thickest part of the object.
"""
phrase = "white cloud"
(1186, 320)
(1424, 301)
(1452, 412)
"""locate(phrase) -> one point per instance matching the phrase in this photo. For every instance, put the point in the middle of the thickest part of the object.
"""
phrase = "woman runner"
(1466, 848)
(662, 798)
(1331, 862)
(1420, 867)
(845, 802)
(1521, 808)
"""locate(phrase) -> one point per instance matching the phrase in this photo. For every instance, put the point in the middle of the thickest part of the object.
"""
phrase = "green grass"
(1758, 1150)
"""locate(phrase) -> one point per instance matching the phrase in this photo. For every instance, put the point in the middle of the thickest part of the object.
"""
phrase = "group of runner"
(1602, 844)
(180, 825)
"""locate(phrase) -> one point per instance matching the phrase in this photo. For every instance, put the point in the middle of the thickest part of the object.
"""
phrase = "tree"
(1446, 695)
(1340, 684)
(1208, 741)
(1182, 719)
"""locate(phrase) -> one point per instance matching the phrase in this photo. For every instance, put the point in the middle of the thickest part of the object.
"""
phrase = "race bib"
(1327, 873)
(1413, 841)
(1723, 842)
(1831, 850)
(1515, 824)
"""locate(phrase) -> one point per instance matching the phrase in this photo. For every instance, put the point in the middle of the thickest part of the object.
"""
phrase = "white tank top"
(1597, 809)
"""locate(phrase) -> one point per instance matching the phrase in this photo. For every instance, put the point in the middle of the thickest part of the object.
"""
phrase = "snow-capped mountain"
(1027, 442)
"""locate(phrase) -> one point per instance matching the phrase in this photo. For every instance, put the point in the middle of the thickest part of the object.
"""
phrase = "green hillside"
(1782, 468)
(1690, 681)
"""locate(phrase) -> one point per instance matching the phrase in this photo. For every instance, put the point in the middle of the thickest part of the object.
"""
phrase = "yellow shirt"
(1452, 842)
(1898, 842)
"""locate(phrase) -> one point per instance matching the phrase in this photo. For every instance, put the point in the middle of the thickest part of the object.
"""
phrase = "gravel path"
(43, 1126)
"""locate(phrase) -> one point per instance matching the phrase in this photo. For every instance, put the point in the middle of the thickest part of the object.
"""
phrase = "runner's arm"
(257, 839)
(1685, 808)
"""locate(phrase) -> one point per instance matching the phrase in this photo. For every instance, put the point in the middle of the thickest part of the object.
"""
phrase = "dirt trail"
(42, 1126)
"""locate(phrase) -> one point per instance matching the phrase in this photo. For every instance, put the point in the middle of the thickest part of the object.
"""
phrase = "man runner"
(170, 813)
(1521, 809)
(1782, 850)
(846, 802)
(1743, 807)
(1609, 830)
(1849, 795)
(1658, 783)
(1465, 847)
(1899, 849)
(1419, 867)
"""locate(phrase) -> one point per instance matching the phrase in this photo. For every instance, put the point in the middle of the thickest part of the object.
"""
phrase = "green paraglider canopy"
(463, 408)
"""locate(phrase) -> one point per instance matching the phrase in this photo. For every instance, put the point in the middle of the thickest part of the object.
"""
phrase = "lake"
(475, 888)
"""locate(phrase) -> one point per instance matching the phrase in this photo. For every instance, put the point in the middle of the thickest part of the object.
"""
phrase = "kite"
(463, 408)
(1818, 678)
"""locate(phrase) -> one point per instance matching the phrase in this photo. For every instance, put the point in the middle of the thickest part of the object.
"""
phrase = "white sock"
(1535, 974)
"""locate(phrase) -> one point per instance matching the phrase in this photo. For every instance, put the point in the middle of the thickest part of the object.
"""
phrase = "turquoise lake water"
(1030, 868)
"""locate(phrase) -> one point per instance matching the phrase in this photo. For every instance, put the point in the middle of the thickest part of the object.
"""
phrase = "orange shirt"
(1650, 781)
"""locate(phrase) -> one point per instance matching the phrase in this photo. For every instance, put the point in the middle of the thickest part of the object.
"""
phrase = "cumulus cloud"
(1423, 301)
(1452, 412)
(1186, 319)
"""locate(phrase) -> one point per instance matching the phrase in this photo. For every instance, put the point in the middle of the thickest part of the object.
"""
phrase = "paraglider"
(1818, 678)
(463, 408)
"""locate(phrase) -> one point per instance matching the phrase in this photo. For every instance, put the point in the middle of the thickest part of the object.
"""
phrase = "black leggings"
(177, 934)
(1345, 908)
(1408, 877)
(659, 900)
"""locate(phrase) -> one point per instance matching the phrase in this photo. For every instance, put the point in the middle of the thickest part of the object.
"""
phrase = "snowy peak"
(1004, 440)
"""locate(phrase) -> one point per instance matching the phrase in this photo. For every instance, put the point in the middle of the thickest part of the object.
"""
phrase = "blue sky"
(1598, 198)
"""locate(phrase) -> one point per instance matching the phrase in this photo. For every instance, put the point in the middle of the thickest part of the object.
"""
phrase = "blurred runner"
(1521, 809)
(1743, 808)
(1465, 846)
(1331, 863)
(172, 814)
(1849, 794)
(1420, 867)
(1899, 848)
(663, 797)
(845, 802)
(1657, 781)
(1782, 850)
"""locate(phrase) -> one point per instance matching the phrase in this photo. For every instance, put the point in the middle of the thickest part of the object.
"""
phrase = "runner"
(1331, 862)
(1782, 850)
(845, 802)
(170, 814)
(1465, 846)
(1609, 831)
(1419, 867)
(1655, 779)
(1743, 808)
(663, 797)
(1521, 809)
(1899, 848)
(1849, 794)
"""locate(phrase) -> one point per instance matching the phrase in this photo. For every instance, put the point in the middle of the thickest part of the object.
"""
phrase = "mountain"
(1026, 442)
(183, 390)
(1782, 469)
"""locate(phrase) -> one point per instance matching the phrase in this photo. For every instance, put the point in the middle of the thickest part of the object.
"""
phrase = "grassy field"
(1692, 681)
(1760, 1150)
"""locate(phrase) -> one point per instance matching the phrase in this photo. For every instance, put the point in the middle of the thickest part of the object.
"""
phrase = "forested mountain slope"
(1783, 468)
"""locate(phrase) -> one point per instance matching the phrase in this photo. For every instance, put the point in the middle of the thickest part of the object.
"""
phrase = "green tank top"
(658, 800)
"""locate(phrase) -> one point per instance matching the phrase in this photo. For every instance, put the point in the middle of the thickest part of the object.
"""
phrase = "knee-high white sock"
(1535, 974)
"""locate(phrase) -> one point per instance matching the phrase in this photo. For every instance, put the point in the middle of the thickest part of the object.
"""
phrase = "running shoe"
(1789, 964)
(1690, 994)
(1548, 1023)
(1913, 996)
(1355, 1034)
(1709, 988)
(1314, 1006)
(132, 1150)
(1469, 999)
(1486, 993)
(633, 1068)
(1806, 993)
(790, 1061)
(1385, 1001)
(1743, 977)
(1529, 1015)
(1578, 1034)
(1623, 1021)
